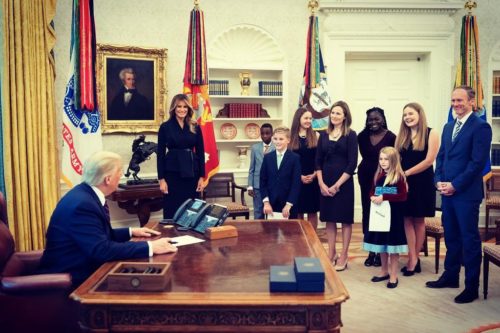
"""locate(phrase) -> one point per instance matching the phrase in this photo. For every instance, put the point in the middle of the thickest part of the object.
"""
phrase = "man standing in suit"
(80, 237)
(129, 104)
(280, 177)
(256, 157)
(464, 151)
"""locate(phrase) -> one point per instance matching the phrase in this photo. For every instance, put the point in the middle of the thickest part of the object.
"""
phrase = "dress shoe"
(376, 261)
(370, 259)
(417, 269)
(392, 285)
(380, 278)
(340, 268)
(443, 282)
(467, 296)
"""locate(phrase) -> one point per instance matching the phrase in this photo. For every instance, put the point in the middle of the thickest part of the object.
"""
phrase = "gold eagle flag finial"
(197, 3)
(470, 5)
(313, 6)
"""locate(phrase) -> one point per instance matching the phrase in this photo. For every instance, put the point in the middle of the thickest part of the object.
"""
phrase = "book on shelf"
(495, 157)
(242, 110)
(218, 87)
(270, 88)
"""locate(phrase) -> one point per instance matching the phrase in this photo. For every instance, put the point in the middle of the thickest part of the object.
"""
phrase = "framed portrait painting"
(131, 88)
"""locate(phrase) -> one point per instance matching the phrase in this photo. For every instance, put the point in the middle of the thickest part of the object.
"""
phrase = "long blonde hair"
(189, 117)
(346, 125)
(403, 139)
(311, 138)
(395, 172)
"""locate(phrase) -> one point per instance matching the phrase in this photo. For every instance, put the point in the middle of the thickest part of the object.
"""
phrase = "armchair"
(222, 185)
(30, 302)
(492, 198)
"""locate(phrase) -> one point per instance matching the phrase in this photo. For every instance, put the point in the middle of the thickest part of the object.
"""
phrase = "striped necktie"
(266, 149)
(106, 210)
(458, 126)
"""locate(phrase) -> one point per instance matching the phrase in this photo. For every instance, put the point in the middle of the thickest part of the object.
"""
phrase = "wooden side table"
(139, 199)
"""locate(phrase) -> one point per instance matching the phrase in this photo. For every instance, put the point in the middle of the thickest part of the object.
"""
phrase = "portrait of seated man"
(129, 103)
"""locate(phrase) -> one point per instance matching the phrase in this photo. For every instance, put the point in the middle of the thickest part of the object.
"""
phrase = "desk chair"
(31, 302)
(492, 199)
(491, 252)
(222, 185)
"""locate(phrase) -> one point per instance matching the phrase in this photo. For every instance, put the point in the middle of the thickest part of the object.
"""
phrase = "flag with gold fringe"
(469, 72)
(314, 91)
(196, 87)
(81, 130)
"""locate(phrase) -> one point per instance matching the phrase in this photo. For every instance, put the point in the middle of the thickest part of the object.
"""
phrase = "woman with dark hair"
(418, 146)
(371, 140)
(180, 156)
(303, 141)
(336, 160)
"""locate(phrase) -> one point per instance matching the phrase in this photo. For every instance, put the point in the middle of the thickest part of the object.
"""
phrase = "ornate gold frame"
(124, 53)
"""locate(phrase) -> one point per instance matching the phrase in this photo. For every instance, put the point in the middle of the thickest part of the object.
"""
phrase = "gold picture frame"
(131, 111)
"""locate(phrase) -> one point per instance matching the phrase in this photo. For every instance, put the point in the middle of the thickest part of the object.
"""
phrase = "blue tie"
(457, 130)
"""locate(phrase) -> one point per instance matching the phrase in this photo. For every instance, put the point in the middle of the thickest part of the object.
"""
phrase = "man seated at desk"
(80, 237)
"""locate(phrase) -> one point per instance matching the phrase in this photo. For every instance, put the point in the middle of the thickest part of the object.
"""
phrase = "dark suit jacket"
(138, 108)
(462, 161)
(283, 185)
(80, 237)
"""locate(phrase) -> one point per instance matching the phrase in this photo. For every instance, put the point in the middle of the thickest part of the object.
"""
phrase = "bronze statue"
(142, 151)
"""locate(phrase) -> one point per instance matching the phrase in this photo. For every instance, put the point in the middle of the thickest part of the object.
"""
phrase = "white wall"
(164, 24)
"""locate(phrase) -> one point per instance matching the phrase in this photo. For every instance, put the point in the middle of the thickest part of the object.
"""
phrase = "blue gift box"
(310, 275)
(282, 278)
(309, 269)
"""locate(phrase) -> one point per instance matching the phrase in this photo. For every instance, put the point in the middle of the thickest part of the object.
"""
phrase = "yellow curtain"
(30, 131)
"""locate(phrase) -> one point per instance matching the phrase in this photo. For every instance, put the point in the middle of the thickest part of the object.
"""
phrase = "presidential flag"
(196, 87)
(469, 73)
(81, 129)
(314, 91)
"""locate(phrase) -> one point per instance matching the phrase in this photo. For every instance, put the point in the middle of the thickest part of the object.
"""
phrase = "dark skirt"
(179, 190)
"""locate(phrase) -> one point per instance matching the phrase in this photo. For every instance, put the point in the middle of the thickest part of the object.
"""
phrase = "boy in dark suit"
(258, 151)
(280, 176)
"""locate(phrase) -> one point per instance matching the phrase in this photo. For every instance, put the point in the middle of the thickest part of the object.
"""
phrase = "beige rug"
(412, 307)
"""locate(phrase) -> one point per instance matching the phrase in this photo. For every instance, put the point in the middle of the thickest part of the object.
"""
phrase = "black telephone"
(198, 215)
(215, 216)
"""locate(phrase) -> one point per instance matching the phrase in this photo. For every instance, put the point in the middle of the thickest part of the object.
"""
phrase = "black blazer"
(280, 185)
(80, 237)
(138, 108)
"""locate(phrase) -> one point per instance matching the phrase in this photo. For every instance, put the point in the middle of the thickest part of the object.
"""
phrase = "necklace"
(335, 134)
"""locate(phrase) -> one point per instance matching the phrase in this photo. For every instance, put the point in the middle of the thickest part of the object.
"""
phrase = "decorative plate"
(228, 131)
(252, 131)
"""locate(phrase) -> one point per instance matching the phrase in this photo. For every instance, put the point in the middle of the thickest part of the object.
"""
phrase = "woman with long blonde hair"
(418, 145)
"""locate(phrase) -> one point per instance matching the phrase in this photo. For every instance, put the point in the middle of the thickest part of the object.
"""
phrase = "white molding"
(440, 7)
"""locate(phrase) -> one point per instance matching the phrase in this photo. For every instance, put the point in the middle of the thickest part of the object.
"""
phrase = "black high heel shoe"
(417, 269)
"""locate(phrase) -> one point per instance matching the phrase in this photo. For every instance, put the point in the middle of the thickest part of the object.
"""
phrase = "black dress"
(334, 158)
(309, 193)
(393, 241)
(421, 190)
(181, 162)
(368, 167)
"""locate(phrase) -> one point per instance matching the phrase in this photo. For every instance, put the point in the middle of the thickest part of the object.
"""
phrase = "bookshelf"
(495, 119)
(251, 50)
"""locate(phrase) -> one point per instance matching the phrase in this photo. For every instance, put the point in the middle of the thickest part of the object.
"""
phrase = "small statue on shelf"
(141, 151)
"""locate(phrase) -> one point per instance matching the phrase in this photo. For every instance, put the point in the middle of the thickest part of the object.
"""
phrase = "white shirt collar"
(464, 118)
(281, 153)
(100, 195)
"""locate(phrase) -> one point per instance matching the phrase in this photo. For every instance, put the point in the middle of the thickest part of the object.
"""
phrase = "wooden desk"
(222, 286)
(139, 199)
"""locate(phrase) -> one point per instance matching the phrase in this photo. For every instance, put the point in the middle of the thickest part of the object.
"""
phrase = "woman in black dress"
(303, 142)
(372, 138)
(418, 146)
(181, 156)
(336, 160)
